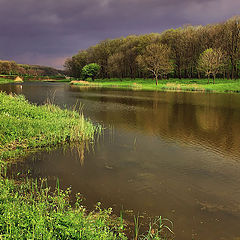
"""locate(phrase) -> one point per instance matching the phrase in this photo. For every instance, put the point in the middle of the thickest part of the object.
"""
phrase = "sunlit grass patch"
(25, 126)
(221, 85)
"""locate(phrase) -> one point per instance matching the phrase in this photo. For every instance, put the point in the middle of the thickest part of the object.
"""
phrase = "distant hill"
(12, 68)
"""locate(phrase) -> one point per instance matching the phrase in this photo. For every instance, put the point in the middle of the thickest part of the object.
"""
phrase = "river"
(171, 154)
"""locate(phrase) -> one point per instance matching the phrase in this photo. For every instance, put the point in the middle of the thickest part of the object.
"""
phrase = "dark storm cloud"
(47, 31)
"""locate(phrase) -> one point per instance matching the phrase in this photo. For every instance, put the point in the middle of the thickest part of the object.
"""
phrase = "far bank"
(221, 85)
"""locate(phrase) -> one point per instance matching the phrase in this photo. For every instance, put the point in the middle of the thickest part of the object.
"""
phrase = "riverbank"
(5, 80)
(26, 127)
(221, 85)
(10, 78)
(29, 210)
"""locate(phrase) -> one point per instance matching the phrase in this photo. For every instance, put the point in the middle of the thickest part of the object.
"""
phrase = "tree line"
(12, 68)
(184, 47)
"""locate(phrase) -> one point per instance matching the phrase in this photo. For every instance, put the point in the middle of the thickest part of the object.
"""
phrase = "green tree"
(91, 70)
(211, 61)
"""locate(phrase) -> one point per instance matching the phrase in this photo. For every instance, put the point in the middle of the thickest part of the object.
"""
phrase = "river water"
(171, 154)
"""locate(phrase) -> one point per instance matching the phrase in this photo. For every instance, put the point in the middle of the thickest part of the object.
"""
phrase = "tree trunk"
(198, 73)
(208, 79)
(235, 71)
(179, 73)
(156, 79)
(232, 69)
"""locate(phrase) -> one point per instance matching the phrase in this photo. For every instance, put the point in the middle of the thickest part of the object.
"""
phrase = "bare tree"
(156, 59)
(211, 61)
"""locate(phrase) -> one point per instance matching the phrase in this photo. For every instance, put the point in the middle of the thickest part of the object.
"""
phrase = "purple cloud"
(45, 32)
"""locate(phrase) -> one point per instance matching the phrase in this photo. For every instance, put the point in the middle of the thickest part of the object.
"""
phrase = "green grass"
(5, 80)
(221, 85)
(25, 127)
(159, 229)
(30, 211)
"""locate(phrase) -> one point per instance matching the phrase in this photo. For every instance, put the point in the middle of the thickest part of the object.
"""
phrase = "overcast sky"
(45, 32)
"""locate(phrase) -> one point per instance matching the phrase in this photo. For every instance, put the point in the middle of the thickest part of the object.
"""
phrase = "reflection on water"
(170, 154)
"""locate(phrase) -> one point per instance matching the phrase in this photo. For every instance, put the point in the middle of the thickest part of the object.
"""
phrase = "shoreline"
(172, 85)
(26, 127)
(29, 209)
(49, 214)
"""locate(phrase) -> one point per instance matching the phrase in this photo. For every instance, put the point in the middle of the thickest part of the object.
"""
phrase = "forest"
(184, 46)
(12, 68)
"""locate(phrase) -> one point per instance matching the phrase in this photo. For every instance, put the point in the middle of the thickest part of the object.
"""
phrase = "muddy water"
(163, 153)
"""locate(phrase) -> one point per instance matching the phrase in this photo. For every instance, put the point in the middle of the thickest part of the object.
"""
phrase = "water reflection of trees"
(210, 120)
(12, 88)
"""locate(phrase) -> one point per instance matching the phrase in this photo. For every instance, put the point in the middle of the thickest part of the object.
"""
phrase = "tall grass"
(159, 229)
(25, 127)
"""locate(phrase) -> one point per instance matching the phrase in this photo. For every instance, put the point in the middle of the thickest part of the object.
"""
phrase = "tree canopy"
(119, 57)
(211, 61)
(12, 68)
(156, 59)
(91, 70)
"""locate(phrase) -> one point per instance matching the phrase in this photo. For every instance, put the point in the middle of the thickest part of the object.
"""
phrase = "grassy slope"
(24, 126)
(221, 85)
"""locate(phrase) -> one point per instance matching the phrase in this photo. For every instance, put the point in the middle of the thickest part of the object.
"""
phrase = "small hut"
(18, 79)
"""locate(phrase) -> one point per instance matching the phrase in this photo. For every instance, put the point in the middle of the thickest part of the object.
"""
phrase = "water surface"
(174, 154)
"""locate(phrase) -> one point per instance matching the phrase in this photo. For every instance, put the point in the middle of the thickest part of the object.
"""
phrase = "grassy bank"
(5, 80)
(25, 127)
(30, 211)
(10, 78)
(221, 85)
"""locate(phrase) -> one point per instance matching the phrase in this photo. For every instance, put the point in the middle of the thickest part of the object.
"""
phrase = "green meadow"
(221, 85)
